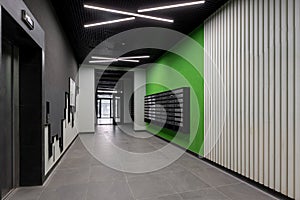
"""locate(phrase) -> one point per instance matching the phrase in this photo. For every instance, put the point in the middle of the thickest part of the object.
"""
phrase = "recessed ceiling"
(74, 16)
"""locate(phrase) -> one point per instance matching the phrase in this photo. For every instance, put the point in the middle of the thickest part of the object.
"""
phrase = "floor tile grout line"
(165, 195)
(130, 189)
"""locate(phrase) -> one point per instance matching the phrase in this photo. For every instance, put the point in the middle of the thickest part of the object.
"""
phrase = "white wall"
(69, 134)
(86, 100)
(252, 93)
(139, 94)
(128, 91)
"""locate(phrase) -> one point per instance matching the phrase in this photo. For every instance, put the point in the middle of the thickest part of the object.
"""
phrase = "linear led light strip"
(109, 22)
(113, 60)
(128, 13)
(171, 6)
(124, 59)
(121, 58)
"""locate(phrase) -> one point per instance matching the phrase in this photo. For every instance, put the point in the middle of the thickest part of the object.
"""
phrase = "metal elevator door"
(7, 115)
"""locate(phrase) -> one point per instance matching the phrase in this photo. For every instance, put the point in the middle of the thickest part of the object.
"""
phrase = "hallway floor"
(79, 176)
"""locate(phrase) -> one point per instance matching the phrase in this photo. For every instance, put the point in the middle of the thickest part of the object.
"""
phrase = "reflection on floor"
(79, 176)
(104, 121)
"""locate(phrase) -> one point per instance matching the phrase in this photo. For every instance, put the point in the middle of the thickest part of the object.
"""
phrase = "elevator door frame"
(13, 148)
(13, 9)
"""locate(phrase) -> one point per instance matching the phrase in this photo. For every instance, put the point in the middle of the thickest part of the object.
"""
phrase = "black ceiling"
(73, 16)
(110, 79)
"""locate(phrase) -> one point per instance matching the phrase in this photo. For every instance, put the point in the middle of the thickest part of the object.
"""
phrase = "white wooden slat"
(256, 90)
(223, 89)
(214, 91)
(235, 72)
(208, 105)
(261, 113)
(247, 80)
(251, 39)
(242, 90)
(297, 99)
(266, 93)
(284, 68)
(221, 125)
(238, 88)
(231, 88)
(211, 90)
(272, 93)
(228, 87)
(277, 96)
(218, 63)
(291, 99)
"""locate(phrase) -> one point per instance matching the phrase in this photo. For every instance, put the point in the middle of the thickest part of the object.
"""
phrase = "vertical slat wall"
(297, 99)
(252, 93)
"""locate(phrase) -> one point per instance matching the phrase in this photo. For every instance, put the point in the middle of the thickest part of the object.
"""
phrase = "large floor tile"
(109, 190)
(168, 197)
(103, 173)
(68, 192)
(168, 169)
(204, 194)
(190, 162)
(31, 193)
(185, 181)
(149, 186)
(75, 163)
(214, 177)
(69, 177)
(243, 192)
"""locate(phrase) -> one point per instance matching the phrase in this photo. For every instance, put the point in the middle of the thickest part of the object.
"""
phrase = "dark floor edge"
(235, 174)
(58, 161)
(249, 181)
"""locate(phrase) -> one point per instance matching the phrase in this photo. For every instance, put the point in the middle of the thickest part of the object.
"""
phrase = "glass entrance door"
(105, 108)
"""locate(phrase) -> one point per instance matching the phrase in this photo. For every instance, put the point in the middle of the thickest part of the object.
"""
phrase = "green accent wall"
(172, 71)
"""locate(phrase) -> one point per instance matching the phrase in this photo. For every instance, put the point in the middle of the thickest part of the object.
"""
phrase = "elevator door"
(7, 162)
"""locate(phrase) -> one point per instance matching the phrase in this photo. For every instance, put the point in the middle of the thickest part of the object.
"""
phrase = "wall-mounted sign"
(27, 20)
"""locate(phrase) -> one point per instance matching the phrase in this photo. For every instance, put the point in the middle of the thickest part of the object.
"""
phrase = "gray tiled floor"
(80, 176)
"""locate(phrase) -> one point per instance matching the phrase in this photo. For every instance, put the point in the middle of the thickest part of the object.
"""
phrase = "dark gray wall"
(60, 63)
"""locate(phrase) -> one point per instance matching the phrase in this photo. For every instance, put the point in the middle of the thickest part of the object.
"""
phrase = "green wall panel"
(172, 71)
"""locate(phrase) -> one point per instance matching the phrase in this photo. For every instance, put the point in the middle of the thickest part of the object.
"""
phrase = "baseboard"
(56, 163)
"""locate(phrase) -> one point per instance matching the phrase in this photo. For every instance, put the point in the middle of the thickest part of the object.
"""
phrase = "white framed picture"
(72, 92)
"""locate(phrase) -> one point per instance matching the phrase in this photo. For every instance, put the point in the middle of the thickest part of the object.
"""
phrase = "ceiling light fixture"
(109, 22)
(113, 60)
(134, 57)
(128, 13)
(171, 6)
(120, 58)
(103, 61)
(107, 91)
(125, 60)
(102, 58)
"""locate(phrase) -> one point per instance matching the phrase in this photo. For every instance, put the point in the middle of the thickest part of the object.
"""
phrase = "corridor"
(79, 176)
